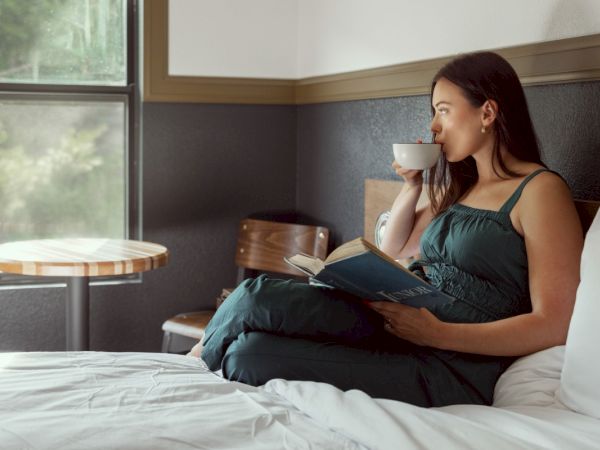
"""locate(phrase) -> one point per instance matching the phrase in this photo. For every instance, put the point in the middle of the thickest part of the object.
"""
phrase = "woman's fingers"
(405, 173)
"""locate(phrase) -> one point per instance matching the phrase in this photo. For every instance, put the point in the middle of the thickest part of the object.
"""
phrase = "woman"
(500, 235)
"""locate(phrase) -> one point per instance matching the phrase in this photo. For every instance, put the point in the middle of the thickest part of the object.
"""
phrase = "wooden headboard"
(380, 194)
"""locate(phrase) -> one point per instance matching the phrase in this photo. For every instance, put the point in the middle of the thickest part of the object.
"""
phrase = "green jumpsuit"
(269, 328)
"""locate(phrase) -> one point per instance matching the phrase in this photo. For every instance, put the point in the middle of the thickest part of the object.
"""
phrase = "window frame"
(133, 185)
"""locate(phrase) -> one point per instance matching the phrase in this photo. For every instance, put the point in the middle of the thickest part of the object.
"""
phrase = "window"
(68, 114)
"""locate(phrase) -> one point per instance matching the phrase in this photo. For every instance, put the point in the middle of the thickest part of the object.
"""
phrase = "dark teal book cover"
(370, 277)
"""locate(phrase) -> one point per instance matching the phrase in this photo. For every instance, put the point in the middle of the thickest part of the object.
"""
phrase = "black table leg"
(78, 313)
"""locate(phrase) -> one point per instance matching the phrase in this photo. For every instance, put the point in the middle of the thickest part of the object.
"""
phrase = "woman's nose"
(434, 126)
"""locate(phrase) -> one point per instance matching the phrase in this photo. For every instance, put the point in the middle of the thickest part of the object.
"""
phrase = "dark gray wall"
(341, 144)
(207, 166)
(204, 168)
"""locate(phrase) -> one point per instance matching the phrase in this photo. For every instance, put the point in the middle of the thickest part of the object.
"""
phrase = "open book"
(360, 268)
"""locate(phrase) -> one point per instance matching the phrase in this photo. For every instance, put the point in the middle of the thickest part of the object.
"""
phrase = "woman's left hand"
(417, 325)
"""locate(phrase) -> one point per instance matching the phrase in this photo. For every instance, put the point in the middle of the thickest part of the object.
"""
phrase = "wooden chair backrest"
(380, 194)
(263, 244)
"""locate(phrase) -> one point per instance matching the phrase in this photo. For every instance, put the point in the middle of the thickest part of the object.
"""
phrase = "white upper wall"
(345, 35)
(293, 39)
(233, 38)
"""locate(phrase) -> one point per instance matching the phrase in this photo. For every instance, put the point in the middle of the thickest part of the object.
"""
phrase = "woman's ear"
(489, 111)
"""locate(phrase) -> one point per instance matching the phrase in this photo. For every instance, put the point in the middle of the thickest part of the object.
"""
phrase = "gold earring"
(483, 130)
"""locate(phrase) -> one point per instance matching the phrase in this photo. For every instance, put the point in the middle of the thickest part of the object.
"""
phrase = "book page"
(307, 264)
(358, 246)
(351, 248)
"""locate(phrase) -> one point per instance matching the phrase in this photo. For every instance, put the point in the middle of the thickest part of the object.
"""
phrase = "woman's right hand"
(411, 176)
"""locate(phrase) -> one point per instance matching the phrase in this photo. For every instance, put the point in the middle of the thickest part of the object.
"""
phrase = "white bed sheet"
(526, 414)
(89, 400)
(155, 401)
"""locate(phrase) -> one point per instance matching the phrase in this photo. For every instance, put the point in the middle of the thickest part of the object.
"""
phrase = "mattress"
(526, 414)
(98, 400)
(94, 400)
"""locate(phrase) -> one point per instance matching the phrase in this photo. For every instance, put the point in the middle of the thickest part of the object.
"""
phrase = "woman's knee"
(249, 359)
(253, 292)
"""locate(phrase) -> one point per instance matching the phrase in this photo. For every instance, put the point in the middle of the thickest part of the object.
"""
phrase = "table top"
(81, 257)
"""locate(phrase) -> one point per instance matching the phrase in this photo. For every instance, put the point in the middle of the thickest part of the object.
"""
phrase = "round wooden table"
(78, 260)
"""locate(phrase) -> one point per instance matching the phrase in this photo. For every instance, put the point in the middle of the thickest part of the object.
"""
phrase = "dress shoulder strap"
(514, 198)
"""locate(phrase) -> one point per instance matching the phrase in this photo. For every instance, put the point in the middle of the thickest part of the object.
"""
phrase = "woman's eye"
(443, 110)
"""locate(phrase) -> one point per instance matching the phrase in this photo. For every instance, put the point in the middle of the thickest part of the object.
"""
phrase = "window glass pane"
(62, 167)
(63, 41)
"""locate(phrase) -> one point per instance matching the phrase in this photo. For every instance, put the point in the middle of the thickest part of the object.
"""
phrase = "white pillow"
(580, 379)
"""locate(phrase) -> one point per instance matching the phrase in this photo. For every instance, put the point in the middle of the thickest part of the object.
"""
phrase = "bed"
(74, 400)
(94, 400)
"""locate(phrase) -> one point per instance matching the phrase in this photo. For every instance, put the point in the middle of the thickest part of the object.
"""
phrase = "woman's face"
(456, 123)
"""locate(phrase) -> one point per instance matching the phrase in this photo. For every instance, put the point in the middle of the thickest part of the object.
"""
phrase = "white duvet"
(160, 401)
(142, 401)
(526, 414)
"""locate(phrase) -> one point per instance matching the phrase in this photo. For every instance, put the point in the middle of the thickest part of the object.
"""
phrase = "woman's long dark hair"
(484, 76)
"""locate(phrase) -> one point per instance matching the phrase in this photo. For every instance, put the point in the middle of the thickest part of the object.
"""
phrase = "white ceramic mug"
(416, 156)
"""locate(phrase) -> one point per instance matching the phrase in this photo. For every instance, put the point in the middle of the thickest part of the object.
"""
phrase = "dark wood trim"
(159, 86)
(561, 61)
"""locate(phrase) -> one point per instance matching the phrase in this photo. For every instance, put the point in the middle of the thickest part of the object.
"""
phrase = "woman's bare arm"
(554, 241)
(406, 224)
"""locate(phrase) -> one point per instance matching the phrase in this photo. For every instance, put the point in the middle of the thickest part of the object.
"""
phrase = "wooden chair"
(261, 247)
